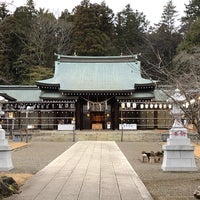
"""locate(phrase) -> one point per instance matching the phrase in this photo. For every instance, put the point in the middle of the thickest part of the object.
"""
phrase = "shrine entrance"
(96, 115)
(97, 120)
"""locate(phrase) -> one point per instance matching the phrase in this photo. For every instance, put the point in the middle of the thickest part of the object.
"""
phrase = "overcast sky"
(151, 8)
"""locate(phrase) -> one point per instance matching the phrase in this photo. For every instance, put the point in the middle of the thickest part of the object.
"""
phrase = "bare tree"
(63, 36)
(42, 37)
(49, 36)
(184, 75)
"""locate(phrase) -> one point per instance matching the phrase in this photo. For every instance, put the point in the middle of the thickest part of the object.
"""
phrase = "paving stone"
(95, 170)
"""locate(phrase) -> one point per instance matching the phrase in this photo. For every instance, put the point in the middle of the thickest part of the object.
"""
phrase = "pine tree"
(192, 38)
(4, 12)
(130, 29)
(190, 26)
(192, 10)
(192, 13)
(92, 33)
(168, 17)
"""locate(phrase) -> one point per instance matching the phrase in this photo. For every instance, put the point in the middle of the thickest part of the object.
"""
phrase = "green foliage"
(192, 13)
(4, 12)
(192, 37)
(27, 74)
(21, 70)
(130, 28)
(92, 30)
(39, 73)
(192, 10)
(5, 75)
(168, 17)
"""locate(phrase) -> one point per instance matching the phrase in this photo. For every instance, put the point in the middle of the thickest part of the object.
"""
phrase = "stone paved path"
(95, 170)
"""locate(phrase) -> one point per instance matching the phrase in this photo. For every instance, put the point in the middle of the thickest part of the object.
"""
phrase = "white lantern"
(134, 105)
(128, 104)
(123, 105)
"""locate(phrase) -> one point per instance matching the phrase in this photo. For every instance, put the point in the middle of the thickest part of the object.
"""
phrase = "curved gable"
(114, 73)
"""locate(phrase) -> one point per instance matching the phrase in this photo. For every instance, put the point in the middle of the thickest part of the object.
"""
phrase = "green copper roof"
(21, 93)
(76, 73)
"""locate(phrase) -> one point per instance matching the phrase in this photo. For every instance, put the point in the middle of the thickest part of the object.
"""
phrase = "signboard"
(66, 127)
(128, 126)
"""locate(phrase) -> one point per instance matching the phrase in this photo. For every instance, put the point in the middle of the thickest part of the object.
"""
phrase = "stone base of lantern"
(178, 152)
(5, 153)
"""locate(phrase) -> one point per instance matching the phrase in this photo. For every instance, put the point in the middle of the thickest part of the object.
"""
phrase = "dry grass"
(20, 178)
(17, 145)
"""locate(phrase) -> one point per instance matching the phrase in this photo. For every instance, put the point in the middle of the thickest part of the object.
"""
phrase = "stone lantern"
(178, 152)
(5, 150)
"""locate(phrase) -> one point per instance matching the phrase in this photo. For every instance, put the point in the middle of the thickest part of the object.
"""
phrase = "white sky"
(151, 8)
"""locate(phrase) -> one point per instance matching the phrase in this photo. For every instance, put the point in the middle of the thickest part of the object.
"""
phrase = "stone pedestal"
(5, 153)
(178, 152)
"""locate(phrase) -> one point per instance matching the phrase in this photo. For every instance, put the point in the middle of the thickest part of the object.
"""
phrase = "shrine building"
(89, 93)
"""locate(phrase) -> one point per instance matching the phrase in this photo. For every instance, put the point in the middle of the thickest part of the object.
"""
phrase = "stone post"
(178, 152)
(5, 150)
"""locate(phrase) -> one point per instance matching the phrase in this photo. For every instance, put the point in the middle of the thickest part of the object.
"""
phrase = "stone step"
(96, 136)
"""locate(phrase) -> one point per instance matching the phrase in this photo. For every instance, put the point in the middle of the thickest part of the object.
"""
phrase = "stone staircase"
(97, 135)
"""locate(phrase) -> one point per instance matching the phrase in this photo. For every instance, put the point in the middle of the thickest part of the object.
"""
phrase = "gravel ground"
(37, 155)
(161, 185)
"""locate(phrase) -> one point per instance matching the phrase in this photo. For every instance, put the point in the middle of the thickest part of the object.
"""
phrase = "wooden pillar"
(115, 114)
(39, 119)
(78, 114)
